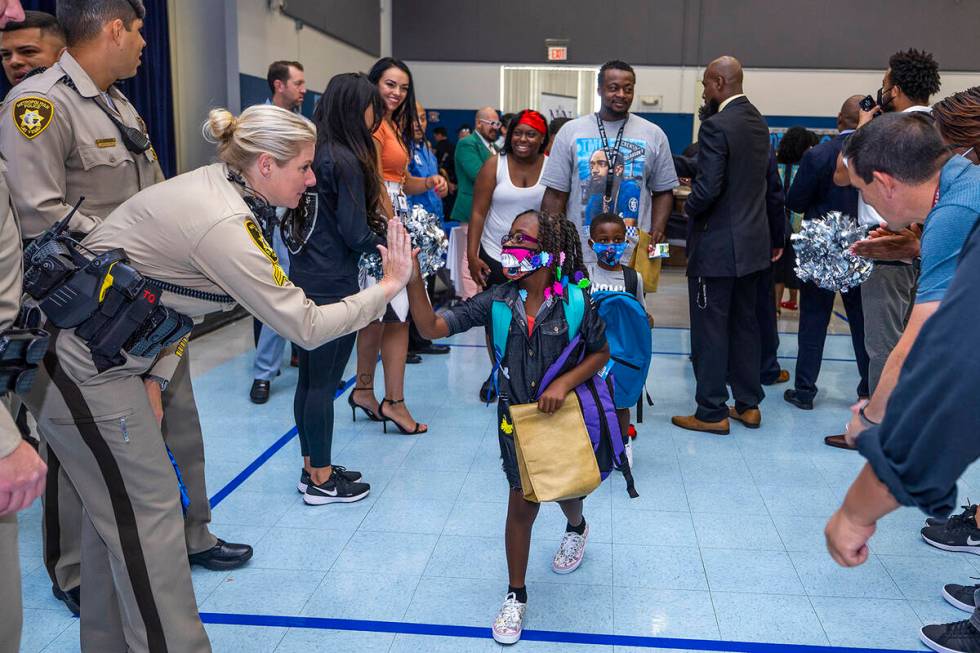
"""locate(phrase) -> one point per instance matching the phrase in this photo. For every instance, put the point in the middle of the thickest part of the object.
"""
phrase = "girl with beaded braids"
(535, 248)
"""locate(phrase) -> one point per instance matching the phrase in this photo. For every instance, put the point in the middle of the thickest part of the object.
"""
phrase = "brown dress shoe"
(838, 441)
(752, 418)
(692, 423)
(783, 376)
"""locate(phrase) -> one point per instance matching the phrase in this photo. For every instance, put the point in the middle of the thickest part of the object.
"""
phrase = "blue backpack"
(629, 335)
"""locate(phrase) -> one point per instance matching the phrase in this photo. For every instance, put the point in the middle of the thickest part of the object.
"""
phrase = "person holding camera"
(887, 296)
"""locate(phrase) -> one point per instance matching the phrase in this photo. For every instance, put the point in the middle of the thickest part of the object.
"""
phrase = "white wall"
(775, 92)
(266, 35)
(204, 60)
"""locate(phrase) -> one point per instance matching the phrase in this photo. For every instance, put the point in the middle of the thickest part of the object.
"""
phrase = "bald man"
(731, 244)
(813, 194)
(471, 152)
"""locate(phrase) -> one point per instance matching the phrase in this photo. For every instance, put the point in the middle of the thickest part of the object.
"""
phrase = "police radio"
(112, 307)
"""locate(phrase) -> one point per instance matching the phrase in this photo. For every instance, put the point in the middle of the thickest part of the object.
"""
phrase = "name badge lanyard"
(612, 157)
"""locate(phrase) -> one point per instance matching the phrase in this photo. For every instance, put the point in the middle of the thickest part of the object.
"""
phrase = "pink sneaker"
(570, 552)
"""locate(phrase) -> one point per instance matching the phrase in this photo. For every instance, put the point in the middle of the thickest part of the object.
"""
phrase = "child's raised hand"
(552, 398)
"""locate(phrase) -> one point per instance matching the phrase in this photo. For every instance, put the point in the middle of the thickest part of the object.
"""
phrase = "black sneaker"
(959, 637)
(961, 596)
(962, 536)
(969, 513)
(336, 490)
(349, 476)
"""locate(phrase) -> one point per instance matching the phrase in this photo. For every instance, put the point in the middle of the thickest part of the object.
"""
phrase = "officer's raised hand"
(396, 259)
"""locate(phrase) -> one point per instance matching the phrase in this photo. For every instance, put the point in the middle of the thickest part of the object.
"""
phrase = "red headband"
(534, 120)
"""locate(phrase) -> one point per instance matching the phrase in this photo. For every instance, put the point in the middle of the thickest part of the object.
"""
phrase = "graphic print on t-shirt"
(593, 170)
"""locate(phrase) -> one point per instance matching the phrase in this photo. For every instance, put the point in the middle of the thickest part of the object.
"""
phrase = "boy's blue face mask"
(609, 253)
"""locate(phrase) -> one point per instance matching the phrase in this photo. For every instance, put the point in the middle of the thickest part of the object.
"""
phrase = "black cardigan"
(326, 268)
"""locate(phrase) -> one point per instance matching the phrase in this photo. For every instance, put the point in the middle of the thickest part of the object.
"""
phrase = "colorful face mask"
(609, 253)
(519, 262)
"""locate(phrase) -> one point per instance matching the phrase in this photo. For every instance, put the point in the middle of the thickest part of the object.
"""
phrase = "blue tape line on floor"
(473, 632)
(264, 457)
(842, 316)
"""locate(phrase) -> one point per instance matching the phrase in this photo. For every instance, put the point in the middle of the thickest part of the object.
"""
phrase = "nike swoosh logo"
(329, 493)
(971, 542)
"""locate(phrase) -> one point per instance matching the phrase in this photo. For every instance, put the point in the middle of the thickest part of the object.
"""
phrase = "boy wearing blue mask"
(607, 238)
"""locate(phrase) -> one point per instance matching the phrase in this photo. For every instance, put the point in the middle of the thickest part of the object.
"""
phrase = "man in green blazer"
(471, 153)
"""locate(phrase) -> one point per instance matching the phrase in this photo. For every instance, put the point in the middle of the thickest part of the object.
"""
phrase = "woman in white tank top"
(508, 184)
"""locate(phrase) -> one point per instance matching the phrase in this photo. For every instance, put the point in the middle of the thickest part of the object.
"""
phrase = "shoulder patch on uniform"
(278, 275)
(32, 115)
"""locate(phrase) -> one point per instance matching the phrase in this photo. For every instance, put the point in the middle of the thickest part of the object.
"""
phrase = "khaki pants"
(11, 613)
(63, 509)
(138, 591)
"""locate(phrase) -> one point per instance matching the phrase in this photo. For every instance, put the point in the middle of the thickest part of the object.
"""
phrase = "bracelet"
(866, 419)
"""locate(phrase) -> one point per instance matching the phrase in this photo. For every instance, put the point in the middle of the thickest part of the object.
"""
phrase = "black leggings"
(320, 372)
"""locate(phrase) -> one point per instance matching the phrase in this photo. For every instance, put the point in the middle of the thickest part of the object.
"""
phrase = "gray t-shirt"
(614, 280)
(577, 165)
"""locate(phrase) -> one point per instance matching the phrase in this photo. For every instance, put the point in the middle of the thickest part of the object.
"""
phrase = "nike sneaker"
(969, 513)
(337, 489)
(349, 475)
(958, 637)
(958, 535)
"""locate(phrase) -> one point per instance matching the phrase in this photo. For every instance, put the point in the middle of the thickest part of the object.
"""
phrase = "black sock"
(520, 592)
(578, 530)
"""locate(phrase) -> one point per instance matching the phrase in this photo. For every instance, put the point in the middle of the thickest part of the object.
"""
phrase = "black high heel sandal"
(354, 406)
(385, 419)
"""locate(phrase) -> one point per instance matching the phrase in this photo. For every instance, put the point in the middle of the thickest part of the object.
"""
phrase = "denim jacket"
(526, 358)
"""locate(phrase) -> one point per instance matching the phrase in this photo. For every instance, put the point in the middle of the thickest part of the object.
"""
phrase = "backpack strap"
(574, 310)
(501, 316)
(631, 279)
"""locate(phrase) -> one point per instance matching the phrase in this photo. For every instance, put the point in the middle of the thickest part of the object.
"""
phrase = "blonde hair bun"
(220, 126)
(263, 128)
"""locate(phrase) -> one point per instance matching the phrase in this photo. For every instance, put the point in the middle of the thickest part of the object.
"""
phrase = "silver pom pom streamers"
(823, 252)
(427, 236)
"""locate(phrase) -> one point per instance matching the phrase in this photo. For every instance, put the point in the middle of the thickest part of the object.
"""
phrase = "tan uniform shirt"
(59, 146)
(196, 231)
(10, 291)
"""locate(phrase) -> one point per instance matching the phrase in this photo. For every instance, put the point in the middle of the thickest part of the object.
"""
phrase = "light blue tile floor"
(725, 543)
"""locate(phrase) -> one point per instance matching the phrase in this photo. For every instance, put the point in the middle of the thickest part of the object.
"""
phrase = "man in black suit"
(814, 194)
(729, 246)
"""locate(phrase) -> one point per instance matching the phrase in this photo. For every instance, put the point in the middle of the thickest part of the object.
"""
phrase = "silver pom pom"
(427, 236)
(823, 252)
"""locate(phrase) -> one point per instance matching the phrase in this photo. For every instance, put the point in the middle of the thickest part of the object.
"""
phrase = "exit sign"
(557, 53)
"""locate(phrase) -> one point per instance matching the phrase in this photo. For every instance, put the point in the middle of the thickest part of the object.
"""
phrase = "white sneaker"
(570, 552)
(509, 624)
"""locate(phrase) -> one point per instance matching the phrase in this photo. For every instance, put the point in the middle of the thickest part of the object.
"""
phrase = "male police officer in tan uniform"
(69, 133)
(22, 472)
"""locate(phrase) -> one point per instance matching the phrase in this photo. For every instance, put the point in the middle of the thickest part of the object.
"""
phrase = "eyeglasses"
(496, 124)
(518, 239)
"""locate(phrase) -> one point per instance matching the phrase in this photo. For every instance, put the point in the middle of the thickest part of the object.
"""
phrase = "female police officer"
(196, 246)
